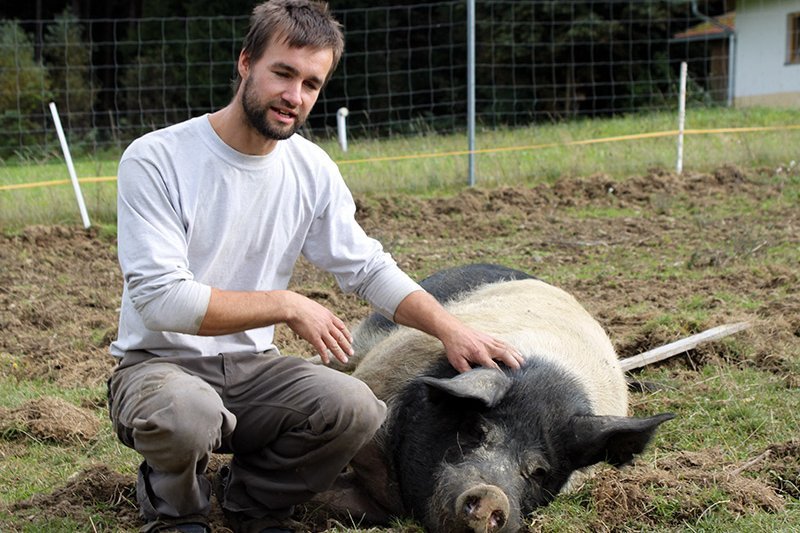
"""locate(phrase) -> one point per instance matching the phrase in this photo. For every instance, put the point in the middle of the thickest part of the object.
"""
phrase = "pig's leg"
(365, 491)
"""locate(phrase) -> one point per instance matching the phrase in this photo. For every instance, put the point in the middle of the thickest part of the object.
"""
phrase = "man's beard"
(257, 117)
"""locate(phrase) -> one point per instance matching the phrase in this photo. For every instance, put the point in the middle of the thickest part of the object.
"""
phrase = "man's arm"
(234, 311)
(464, 346)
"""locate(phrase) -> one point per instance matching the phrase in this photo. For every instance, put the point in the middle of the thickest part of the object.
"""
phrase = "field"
(655, 257)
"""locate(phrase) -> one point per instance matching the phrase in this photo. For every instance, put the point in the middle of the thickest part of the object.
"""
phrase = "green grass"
(22, 474)
(541, 153)
(738, 409)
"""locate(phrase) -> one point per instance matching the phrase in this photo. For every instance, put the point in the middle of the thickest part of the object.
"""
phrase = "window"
(793, 53)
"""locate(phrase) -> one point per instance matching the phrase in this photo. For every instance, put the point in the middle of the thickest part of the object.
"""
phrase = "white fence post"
(681, 119)
(341, 126)
(70, 167)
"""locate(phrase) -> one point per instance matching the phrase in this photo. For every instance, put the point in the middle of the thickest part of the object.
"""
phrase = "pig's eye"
(472, 431)
(536, 474)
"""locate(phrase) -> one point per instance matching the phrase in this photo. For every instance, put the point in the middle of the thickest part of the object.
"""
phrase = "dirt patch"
(686, 486)
(780, 466)
(94, 490)
(60, 293)
(49, 419)
(58, 304)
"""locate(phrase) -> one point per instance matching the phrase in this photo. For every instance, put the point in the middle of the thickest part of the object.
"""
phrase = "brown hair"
(298, 23)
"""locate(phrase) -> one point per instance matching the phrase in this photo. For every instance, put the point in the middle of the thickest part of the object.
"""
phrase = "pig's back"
(540, 320)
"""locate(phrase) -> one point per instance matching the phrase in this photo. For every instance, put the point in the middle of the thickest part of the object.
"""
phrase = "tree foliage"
(68, 58)
(23, 81)
(404, 68)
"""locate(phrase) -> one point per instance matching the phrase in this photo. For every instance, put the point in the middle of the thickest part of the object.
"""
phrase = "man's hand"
(321, 328)
(464, 346)
(234, 311)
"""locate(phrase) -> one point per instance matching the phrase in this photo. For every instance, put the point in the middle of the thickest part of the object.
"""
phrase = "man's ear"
(243, 65)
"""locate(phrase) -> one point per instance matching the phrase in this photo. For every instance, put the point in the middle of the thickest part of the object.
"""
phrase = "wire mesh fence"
(403, 72)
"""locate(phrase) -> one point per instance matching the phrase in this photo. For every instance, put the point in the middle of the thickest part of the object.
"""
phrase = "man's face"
(280, 88)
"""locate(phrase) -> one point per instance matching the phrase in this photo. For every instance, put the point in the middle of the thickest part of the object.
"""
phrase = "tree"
(68, 58)
(24, 91)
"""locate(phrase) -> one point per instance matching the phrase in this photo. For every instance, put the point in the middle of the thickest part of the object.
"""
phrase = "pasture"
(653, 255)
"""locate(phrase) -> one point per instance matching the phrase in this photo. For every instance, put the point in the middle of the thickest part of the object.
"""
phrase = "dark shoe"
(183, 524)
(220, 482)
(241, 523)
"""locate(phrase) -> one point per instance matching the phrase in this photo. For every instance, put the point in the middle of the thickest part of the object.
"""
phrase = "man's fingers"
(341, 326)
(322, 350)
(491, 363)
(512, 358)
(461, 366)
(339, 345)
(509, 355)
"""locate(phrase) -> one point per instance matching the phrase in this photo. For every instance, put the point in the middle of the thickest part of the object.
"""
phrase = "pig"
(445, 285)
(480, 451)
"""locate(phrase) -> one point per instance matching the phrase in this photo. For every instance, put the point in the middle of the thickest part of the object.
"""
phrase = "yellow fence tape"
(618, 138)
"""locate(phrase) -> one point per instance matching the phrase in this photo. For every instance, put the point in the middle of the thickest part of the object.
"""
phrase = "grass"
(421, 165)
(22, 475)
(738, 409)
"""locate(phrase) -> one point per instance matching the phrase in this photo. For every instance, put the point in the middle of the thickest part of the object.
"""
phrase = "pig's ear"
(486, 385)
(613, 439)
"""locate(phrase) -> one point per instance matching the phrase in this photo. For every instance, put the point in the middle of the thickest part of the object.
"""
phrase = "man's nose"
(292, 93)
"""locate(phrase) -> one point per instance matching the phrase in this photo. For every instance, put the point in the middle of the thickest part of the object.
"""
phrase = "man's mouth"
(284, 114)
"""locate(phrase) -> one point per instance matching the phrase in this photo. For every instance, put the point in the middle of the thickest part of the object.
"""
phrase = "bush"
(24, 91)
(68, 59)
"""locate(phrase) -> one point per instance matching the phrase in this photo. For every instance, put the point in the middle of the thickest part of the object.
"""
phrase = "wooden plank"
(682, 345)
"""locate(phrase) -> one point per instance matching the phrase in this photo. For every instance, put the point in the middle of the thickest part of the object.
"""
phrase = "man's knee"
(188, 422)
(181, 419)
(358, 405)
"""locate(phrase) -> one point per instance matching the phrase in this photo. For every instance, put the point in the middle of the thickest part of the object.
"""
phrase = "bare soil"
(60, 292)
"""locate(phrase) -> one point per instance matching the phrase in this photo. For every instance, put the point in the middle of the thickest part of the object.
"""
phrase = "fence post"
(341, 126)
(70, 167)
(471, 88)
(681, 118)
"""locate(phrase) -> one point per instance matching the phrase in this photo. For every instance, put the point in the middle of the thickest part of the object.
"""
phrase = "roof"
(707, 31)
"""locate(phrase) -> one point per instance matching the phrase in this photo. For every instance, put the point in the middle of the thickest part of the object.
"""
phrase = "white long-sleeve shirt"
(193, 213)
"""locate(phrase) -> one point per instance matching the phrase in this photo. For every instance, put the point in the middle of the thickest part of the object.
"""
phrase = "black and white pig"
(444, 285)
(479, 451)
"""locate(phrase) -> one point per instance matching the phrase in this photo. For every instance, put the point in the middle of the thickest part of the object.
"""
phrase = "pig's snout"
(483, 509)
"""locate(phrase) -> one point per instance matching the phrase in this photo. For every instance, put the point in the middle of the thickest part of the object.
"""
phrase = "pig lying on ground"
(479, 451)
(445, 286)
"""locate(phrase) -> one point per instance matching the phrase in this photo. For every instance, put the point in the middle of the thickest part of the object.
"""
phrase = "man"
(213, 214)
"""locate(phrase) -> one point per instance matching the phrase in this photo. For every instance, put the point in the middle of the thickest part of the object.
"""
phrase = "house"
(767, 57)
(718, 34)
(754, 53)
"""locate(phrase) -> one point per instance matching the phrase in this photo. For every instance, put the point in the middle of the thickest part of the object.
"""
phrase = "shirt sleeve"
(152, 250)
(339, 245)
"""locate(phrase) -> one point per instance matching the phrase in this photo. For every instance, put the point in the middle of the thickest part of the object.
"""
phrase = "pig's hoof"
(483, 508)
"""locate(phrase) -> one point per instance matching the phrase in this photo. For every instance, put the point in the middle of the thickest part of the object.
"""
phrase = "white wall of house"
(762, 75)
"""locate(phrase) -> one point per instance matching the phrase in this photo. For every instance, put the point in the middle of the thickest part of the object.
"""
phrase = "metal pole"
(731, 33)
(471, 88)
(681, 118)
(731, 69)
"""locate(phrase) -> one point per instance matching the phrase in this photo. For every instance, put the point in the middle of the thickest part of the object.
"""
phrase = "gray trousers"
(291, 426)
